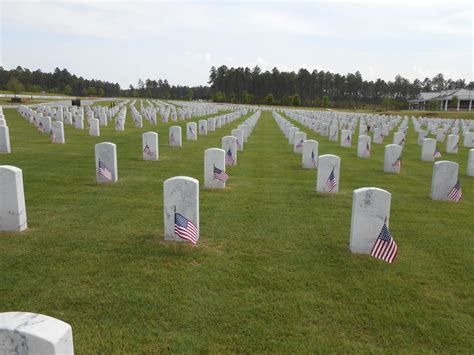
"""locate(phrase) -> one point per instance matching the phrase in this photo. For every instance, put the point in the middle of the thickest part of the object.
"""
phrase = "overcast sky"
(122, 41)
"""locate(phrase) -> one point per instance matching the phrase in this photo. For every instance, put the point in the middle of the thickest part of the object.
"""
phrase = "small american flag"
(313, 157)
(147, 150)
(220, 175)
(402, 141)
(52, 136)
(229, 159)
(191, 130)
(103, 171)
(437, 153)
(348, 139)
(172, 138)
(368, 148)
(40, 127)
(202, 128)
(331, 181)
(456, 146)
(381, 137)
(385, 247)
(185, 229)
(397, 163)
(456, 193)
(300, 144)
(238, 144)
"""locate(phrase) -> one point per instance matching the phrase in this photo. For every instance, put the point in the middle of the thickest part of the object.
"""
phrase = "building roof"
(461, 94)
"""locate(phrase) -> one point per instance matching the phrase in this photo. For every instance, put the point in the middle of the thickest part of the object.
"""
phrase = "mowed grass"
(272, 272)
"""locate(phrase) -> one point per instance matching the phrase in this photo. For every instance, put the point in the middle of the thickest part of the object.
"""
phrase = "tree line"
(242, 85)
(319, 88)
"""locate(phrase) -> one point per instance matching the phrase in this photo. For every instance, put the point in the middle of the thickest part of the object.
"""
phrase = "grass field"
(272, 272)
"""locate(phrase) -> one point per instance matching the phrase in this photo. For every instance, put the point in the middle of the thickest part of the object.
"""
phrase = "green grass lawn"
(272, 272)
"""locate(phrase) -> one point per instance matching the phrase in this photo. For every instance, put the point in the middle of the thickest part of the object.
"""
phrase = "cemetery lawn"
(272, 271)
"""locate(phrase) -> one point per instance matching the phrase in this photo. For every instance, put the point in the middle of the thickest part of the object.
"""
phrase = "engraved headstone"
(214, 168)
(4, 140)
(310, 154)
(452, 144)
(203, 127)
(229, 145)
(346, 138)
(191, 131)
(106, 162)
(181, 200)
(364, 147)
(469, 139)
(392, 159)
(300, 137)
(239, 134)
(445, 176)
(333, 133)
(57, 133)
(370, 210)
(470, 163)
(428, 149)
(174, 136)
(31, 333)
(328, 173)
(150, 146)
(94, 127)
(12, 200)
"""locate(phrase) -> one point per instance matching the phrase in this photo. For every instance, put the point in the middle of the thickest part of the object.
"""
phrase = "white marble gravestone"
(57, 133)
(79, 122)
(378, 136)
(239, 134)
(191, 131)
(103, 119)
(469, 139)
(94, 127)
(211, 124)
(229, 145)
(150, 146)
(68, 118)
(310, 154)
(440, 135)
(174, 136)
(452, 144)
(3, 122)
(120, 125)
(328, 173)
(36, 334)
(393, 158)
(300, 137)
(470, 163)
(214, 158)
(4, 140)
(364, 146)
(422, 134)
(245, 131)
(181, 195)
(428, 149)
(203, 127)
(370, 209)
(333, 133)
(346, 138)
(291, 134)
(445, 176)
(399, 138)
(12, 200)
(106, 162)
(46, 123)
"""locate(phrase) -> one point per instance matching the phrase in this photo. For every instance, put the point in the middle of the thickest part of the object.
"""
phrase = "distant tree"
(433, 105)
(295, 100)
(317, 102)
(90, 91)
(247, 98)
(269, 99)
(189, 94)
(15, 86)
(67, 90)
(219, 96)
(101, 92)
(325, 103)
(454, 102)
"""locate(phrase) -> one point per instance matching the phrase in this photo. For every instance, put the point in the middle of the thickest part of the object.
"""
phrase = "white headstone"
(378, 136)
(422, 134)
(214, 164)
(211, 124)
(310, 154)
(346, 138)
(364, 146)
(333, 133)
(428, 149)
(469, 139)
(399, 138)
(291, 134)
(470, 163)
(12, 200)
(181, 196)
(191, 131)
(174, 136)
(35, 334)
(300, 137)
(229, 145)
(203, 127)
(4, 140)
(57, 133)
(452, 144)
(370, 209)
(94, 128)
(239, 134)
(79, 122)
(106, 162)
(328, 173)
(393, 158)
(445, 176)
(150, 146)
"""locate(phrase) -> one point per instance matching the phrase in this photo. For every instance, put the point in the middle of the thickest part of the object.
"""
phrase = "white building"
(443, 99)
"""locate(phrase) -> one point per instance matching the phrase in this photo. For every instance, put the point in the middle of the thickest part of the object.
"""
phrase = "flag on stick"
(220, 175)
(456, 193)
(385, 247)
(103, 171)
(331, 181)
(229, 159)
(185, 229)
